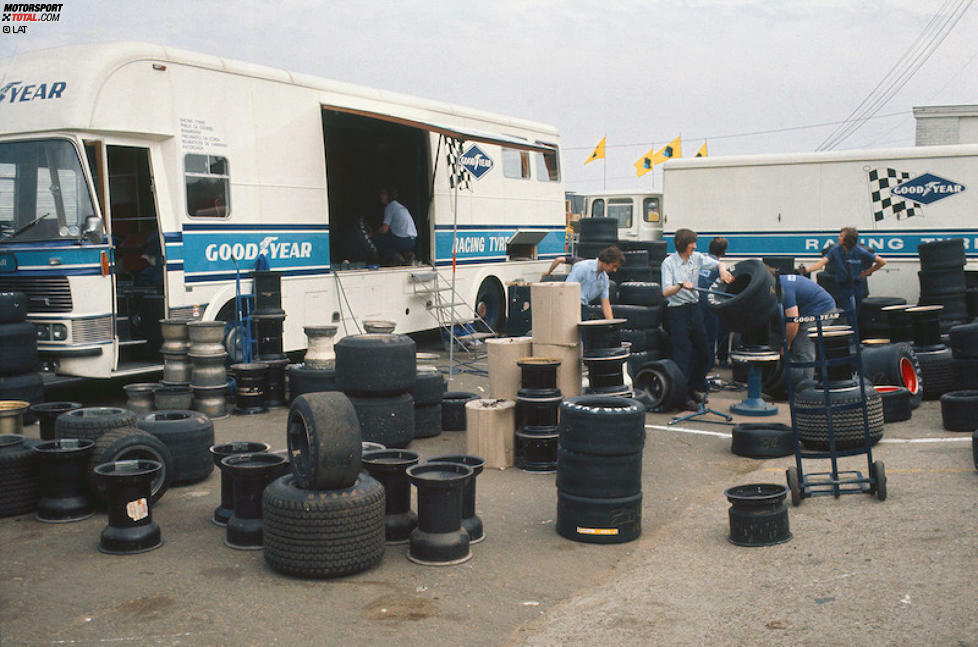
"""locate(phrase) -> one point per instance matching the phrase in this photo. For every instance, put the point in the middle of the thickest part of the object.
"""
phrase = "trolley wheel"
(793, 484)
(879, 480)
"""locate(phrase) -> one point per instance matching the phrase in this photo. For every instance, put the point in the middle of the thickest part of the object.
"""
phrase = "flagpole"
(604, 182)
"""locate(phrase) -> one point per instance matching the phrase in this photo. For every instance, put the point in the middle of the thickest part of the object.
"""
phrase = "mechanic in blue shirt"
(803, 297)
(717, 334)
(593, 276)
(851, 263)
(396, 237)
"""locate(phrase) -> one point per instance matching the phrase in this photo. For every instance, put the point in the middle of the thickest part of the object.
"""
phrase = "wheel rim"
(298, 442)
(145, 453)
(909, 375)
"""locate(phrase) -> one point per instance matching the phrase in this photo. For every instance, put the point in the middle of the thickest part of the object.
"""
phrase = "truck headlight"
(59, 332)
(43, 332)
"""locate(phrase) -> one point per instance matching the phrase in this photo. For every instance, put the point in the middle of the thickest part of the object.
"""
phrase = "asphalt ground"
(856, 570)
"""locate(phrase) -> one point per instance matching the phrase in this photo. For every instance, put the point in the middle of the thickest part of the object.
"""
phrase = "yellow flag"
(702, 151)
(670, 151)
(598, 152)
(644, 164)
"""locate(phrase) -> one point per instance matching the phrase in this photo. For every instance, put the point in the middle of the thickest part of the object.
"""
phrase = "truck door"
(650, 218)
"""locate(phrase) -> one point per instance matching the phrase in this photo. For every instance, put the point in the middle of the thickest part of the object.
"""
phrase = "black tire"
(964, 341)
(598, 230)
(794, 486)
(965, 373)
(453, 410)
(602, 426)
(639, 317)
(894, 365)
(634, 337)
(324, 441)
(637, 361)
(427, 420)
(388, 420)
(323, 534)
(640, 294)
(879, 480)
(490, 305)
(974, 448)
(657, 339)
(589, 250)
(811, 419)
(599, 521)
(936, 372)
(971, 302)
(936, 283)
(636, 258)
(955, 308)
(637, 275)
(91, 422)
(601, 477)
(18, 347)
(13, 307)
(309, 380)
(662, 386)
(754, 302)
(376, 364)
(942, 254)
(18, 475)
(896, 403)
(554, 278)
(188, 435)
(959, 410)
(429, 387)
(131, 444)
(762, 440)
(612, 292)
(774, 380)
(873, 320)
(27, 387)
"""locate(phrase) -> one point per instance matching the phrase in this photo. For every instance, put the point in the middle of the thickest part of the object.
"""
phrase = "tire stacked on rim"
(325, 518)
(537, 405)
(605, 357)
(964, 355)
(942, 280)
(378, 371)
(429, 388)
(18, 347)
(642, 305)
(317, 373)
(599, 469)
(936, 369)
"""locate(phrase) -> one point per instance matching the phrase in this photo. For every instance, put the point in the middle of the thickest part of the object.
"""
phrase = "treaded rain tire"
(18, 348)
(599, 521)
(310, 380)
(376, 364)
(602, 425)
(601, 477)
(754, 302)
(936, 372)
(662, 384)
(324, 441)
(640, 294)
(896, 403)
(323, 534)
(812, 422)
(129, 443)
(13, 307)
(427, 420)
(91, 422)
(189, 436)
(762, 440)
(387, 420)
(18, 476)
(429, 387)
(959, 410)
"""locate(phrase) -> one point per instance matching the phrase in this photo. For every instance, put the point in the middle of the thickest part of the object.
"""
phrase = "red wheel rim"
(887, 389)
(909, 375)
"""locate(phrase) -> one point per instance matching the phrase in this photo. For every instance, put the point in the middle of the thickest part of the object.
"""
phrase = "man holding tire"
(684, 319)
(593, 277)
(802, 297)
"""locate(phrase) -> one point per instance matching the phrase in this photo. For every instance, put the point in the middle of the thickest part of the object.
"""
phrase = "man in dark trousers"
(684, 320)
(716, 332)
(803, 297)
(851, 263)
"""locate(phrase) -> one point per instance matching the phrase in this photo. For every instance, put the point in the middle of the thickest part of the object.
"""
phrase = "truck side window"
(547, 169)
(516, 163)
(8, 179)
(621, 208)
(650, 207)
(208, 186)
(597, 208)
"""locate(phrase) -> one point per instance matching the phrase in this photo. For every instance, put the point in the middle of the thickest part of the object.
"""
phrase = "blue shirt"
(593, 283)
(675, 271)
(858, 258)
(805, 293)
(398, 218)
(707, 277)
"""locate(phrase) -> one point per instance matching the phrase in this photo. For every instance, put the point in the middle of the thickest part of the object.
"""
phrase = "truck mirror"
(93, 231)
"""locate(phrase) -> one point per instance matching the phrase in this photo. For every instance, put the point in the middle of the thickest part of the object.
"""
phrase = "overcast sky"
(640, 72)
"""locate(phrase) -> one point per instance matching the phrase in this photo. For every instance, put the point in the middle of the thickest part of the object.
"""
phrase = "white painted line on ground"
(925, 440)
(895, 441)
(687, 430)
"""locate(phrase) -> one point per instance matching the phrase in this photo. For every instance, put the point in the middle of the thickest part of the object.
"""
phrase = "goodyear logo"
(476, 162)
(927, 188)
(17, 91)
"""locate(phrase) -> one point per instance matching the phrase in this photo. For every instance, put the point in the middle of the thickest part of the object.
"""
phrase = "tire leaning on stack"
(18, 348)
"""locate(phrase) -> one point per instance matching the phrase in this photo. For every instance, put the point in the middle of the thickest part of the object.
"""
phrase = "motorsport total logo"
(21, 14)
(927, 188)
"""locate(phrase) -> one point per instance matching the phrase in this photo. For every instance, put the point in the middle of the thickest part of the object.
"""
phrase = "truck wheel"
(324, 441)
(188, 435)
(129, 443)
(91, 422)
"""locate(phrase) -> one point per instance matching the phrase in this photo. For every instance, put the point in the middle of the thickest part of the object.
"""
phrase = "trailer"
(136, 180)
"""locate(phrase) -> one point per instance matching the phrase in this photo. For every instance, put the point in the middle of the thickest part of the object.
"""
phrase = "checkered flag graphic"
(881, 180)
(453, 150)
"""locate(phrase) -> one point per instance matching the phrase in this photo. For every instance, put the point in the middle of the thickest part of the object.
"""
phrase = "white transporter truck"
(135, 178)
(793, 205)
(638, 212)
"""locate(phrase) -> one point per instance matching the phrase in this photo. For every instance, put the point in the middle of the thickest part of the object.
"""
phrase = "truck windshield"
(43, 193)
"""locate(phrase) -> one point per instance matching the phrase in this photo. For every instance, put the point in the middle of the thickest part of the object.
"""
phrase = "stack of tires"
(18, 348)
(18, 475)
(429, 388)
(378, 371)
(933, 356)
(643, 261)
(642, 306)
(305, 379)
(942, 281)
(596, 234)
(894, 365)
(325, 518)
(599, 469)
(964, 355)
(874, 322)
(188, 435)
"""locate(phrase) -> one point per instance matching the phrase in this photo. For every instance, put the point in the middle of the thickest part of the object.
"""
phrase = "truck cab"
(638, 213)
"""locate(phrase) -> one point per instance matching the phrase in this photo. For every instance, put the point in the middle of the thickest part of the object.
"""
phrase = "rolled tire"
(599, 521)
(936, 371)
(13, 307)
(634, 337)
(602, 426)
(894, 365)
(324, 441)
(754, 301)
(965, 373)
(429, 387)
(640, 294)
(936, 283)
(811, 418)
(959, 410)
(91, 422)
(601, 477)
(638, 317)
(594, 230)
(762, 440)
(321, 534)
(662, 385)
(18, 347)
(309, 380)
(637, 361)
(188, 435)
(427, 420)
(388, 420)
(376, 364)
(28, 387)
(896, 403)
(18, 475)
(963, 340)
(942, 254)
(453, 410)
(131, 444)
